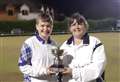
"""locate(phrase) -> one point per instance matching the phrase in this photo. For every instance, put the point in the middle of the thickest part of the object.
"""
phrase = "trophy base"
(57, 68)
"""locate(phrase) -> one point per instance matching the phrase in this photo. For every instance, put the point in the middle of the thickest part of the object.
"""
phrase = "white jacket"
(36, 56)
(87, 59)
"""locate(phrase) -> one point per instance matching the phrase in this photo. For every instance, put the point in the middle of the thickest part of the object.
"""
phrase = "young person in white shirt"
(36, 56)
(83, 54)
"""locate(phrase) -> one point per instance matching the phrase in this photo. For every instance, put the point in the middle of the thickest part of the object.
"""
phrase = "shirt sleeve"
(24, 61)
(94, 69)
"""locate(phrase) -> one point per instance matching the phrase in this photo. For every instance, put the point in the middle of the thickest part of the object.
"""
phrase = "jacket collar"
(42, 40)
(85, 39)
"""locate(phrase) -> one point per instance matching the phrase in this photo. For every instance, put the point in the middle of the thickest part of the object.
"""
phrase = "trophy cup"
(58, 66)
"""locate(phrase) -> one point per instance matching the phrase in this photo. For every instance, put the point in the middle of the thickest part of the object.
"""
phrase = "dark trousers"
(103, 77)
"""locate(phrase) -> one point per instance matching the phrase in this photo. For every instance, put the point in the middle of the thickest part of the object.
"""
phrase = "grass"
(10, 49)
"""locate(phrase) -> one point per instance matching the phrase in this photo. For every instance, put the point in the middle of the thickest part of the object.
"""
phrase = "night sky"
(89, 8)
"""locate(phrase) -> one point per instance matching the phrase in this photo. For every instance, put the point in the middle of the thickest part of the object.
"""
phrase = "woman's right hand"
(50, 71)
(67, 71)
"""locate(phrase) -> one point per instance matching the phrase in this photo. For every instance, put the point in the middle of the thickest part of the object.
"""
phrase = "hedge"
(7, 26)
(59, 26)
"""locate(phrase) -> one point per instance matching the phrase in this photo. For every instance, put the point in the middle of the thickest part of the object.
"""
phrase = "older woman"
(84, 54)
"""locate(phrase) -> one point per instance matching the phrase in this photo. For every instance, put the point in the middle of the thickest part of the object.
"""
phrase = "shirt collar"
(42, 40)
(85, 39)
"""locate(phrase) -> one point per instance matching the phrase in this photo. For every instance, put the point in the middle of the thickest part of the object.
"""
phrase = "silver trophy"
(58, 66)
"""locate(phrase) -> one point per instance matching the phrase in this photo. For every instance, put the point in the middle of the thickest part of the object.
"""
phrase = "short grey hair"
(79, 18)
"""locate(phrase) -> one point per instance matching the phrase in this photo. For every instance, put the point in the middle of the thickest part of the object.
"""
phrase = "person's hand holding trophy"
(57, 68)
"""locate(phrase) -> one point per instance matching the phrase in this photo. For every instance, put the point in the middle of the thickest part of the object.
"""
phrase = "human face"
(78, 30)
(44, 29)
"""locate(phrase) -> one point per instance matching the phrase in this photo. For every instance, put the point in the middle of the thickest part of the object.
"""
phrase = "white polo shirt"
(87, 59)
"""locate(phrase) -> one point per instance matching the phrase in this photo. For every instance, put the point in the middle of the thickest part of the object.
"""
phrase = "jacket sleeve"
(24, 61)
(92, 70)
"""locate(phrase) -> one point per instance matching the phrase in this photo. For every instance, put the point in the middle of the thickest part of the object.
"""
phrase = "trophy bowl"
(58, 62)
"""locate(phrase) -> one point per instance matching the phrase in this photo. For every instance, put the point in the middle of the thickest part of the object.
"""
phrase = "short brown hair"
(45, 18)
(79, 18)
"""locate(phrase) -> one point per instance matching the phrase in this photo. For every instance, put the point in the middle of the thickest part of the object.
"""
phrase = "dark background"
(89, 8)
(94, 9)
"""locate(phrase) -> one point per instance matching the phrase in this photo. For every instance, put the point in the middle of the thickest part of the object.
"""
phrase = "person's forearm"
(27, 69)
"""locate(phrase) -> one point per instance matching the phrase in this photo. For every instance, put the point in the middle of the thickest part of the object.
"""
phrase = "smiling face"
(77, 30)
(44, 29)
(78, 25)
(44, 25)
